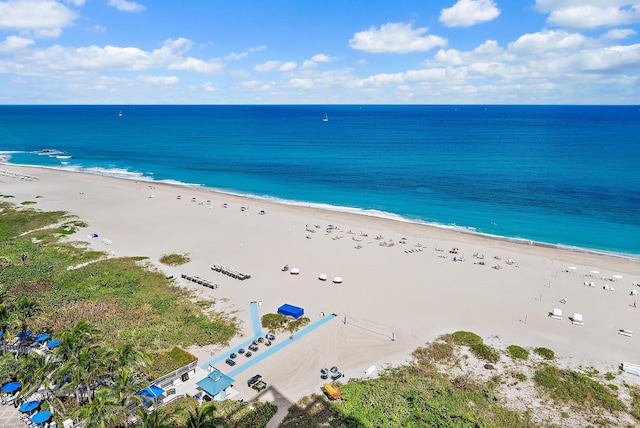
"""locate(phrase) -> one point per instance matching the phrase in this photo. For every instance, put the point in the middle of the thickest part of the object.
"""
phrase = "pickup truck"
(257, 383)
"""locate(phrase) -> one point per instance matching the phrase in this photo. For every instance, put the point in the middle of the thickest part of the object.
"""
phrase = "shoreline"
(408, 290)
(132, 176)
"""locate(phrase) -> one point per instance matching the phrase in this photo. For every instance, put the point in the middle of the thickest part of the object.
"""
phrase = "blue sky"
(328, 52)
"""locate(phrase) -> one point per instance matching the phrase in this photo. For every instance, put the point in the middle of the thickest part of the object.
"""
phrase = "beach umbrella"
(10, 387)
(29, 406)
(1, 333)
(595, 272)
(53, 343)
(24, 334)
(572, 268)
(41, 417)
(41, 337)
(616, 276)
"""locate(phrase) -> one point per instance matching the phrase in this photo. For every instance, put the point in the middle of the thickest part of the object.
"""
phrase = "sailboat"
(325, 118)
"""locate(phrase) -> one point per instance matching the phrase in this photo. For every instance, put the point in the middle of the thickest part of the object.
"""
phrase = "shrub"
(174, 259)
(517, 352)
(545, 353)
(485, 352)
(466, 338)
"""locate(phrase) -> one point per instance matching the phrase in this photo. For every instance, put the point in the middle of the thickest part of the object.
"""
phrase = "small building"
(217, 385)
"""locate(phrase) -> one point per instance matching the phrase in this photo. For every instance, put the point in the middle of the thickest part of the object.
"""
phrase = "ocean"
(558, 175)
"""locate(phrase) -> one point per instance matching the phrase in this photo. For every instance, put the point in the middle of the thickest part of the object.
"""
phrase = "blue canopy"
(1, 333)
(28, 406)
(42, 337)
(152, 391)
(24, 334)
(10, 387)
(52, 343)
(40, 417)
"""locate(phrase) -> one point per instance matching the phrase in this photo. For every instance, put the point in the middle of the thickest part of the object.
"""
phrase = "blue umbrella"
(24, 334)
(52, 343)
(42, 337)
(29, 406)
(10, 387)
(40, 417)
(1, 333)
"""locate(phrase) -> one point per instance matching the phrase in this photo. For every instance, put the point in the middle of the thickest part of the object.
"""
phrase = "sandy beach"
(396, 293)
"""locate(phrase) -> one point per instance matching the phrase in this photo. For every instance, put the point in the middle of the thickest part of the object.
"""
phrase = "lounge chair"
(576, 319)
(556, 314)
(625, 332)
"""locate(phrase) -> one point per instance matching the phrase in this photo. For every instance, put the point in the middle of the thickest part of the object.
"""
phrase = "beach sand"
(408, 293)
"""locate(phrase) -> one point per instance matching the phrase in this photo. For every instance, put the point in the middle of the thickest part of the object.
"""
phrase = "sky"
(329, 52)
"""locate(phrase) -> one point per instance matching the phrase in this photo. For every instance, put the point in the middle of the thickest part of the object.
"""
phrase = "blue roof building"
(217, 385)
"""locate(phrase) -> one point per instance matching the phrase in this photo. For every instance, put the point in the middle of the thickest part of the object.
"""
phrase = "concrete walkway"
(10, 417)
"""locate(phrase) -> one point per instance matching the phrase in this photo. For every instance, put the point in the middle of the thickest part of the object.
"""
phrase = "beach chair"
(576, 319)
(556, 314)
(625, 332)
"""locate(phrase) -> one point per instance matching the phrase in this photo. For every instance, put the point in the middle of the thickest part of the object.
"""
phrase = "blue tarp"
(152, 391)
(291, 311)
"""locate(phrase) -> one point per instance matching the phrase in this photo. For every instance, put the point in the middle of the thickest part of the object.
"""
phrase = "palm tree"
(201, 417)
(155, 419)
(127, 355)
(104, 411)
(125, 384)
(24, 309)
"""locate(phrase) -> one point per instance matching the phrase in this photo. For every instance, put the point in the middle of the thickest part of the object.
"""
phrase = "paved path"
(10, 417)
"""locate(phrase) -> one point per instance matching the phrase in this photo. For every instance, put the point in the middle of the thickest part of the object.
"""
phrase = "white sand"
(386, 291)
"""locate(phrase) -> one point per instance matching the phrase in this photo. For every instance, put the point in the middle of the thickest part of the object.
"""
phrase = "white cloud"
(589, 13)
(209, 87)
(321, 58)
(466, 13)
(547, 41)
(619, 33)
(13, 43)
(126, 6)
(99, 29)
(267, 66)
(45, 18)
(395, 38)
(288, 66)
(158, 80)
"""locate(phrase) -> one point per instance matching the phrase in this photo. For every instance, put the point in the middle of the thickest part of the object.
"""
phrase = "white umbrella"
(572, 268)
(616, 276)
(595, 271)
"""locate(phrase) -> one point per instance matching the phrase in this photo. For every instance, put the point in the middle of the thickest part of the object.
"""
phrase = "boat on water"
(120, 113)
(325, 118)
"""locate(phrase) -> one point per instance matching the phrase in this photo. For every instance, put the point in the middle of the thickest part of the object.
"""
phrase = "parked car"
(248, 354)
(230, 362)
(270, 336)
(254, 348)
(267, 343)
(241, 351)
(256, 383)
(233, 355)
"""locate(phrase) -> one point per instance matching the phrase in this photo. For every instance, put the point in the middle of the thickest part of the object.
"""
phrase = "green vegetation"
(278, 323)
(28, 203)
(476, 345)
(174, 259)
(569, 386)
(119, 321)
(545, 353)
(183, 411)
(517, 352)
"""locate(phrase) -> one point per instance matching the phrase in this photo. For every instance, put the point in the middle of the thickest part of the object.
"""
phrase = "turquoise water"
(562, 175)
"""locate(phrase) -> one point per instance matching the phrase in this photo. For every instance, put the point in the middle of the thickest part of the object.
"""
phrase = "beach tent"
(291, 311)
(323, 277)
(337, 280)
(294, 271)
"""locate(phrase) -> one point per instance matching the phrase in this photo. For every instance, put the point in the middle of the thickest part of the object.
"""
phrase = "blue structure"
(217, 385)
(291, 311)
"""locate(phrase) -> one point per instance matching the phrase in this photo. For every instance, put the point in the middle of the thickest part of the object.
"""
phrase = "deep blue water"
(567, 175)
